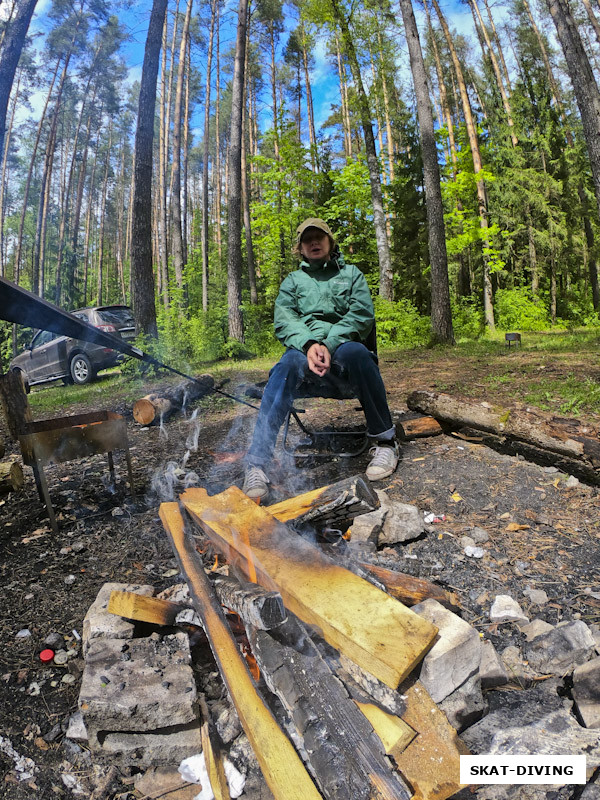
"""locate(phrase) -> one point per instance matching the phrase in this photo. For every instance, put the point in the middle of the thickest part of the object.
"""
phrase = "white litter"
(25, 768)
(193, 770)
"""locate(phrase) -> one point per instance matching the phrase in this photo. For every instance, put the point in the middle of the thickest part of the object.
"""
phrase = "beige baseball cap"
(313, 222)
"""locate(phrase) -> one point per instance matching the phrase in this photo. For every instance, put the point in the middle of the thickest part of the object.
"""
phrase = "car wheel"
(81, 369)
(23, 375)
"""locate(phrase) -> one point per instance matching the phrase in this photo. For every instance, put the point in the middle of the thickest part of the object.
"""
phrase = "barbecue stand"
(55, 441)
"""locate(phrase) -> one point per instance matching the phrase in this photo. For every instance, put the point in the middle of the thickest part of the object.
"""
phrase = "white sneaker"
(384, 461)
(256, 483)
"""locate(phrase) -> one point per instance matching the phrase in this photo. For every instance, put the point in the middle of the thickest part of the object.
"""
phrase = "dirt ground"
(542, 534)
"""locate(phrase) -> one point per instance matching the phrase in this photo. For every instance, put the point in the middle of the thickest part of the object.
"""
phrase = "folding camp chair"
(329, 441)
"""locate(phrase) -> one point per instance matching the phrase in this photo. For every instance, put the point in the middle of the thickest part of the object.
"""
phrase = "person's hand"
(319, 359)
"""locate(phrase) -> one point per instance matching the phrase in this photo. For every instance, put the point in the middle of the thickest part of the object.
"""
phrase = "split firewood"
(347, 757)
(333, 506)
(430, 762)
(372, 628)
(282, 768)
(158, 406)
(408, 589)
(418, 428)
(557, 438)
(14, 403)
(11, 477)
(254, 605)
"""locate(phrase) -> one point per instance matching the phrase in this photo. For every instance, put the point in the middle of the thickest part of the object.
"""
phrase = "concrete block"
(456, 654)
(491, 671)
(138, 685)
(98, 622)
(162, 747)
(586, 692)
(560, 650)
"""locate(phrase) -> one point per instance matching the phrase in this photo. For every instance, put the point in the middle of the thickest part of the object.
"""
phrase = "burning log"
(369, 626)
(154, 407)
(347, 757)
(11, 477)
(279, 762)
(408, 589)
(333, 506)
(560, 442)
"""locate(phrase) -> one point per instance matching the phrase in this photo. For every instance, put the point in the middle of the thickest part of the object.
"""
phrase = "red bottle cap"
(46, 656)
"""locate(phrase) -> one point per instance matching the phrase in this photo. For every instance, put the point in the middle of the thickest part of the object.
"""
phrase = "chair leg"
(111, 467)
(129, 471)
(42, 487)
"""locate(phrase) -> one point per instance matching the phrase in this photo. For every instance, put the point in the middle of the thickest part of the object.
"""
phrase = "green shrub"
(517, 309)
(467, 318)
(400, 324)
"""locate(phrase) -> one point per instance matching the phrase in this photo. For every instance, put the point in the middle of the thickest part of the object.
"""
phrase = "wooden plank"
(212, 756)
(360, 620)
(431, 762)
(408, 589)
(418, 428)
(346, 755)
(394, 732)
(334, 506)
(143, 609)
(281, 766)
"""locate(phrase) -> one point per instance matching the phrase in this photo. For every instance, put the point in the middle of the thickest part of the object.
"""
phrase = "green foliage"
(400, 324)
(517, 310)
(467, 318)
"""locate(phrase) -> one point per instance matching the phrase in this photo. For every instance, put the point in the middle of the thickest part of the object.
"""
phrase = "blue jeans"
(353, 363)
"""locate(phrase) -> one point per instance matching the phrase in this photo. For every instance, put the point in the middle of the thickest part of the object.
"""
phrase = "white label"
(552, 770)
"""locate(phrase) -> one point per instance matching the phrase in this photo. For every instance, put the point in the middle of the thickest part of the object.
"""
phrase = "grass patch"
(570, 395)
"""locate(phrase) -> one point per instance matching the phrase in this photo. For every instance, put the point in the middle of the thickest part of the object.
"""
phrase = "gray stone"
(465, 705)
(572, 482)
(586, 692)
(228, 725)
(162, 747)
(100, 622)
(506, 609)
(491, 670)
(479, 536)
(456, 654)
(537, 596)
(516, 667)
(76, 729)
(561, 649)
(367, 527)
(533, 722)
(466, 541)
(591, 792)
(402, 523)
(140, 684)
(537, 627)
(474, 552)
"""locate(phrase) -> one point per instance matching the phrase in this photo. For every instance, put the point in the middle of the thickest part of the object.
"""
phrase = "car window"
(43, 337)
(116, 316)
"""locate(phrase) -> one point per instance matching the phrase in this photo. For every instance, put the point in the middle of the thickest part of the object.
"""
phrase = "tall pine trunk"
(141, 239)
(441, 314)
(205, 195)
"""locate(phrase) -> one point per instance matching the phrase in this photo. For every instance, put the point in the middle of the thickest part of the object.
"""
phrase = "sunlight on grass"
(568, 396)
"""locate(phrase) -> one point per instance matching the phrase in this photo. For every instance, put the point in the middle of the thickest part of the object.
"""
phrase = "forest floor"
(543, 533)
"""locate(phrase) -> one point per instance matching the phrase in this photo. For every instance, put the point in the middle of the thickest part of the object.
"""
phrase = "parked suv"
(51, 356)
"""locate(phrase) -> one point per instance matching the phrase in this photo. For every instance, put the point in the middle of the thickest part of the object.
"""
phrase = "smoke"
(172, 478)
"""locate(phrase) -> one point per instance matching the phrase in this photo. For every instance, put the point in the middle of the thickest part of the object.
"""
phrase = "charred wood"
(347, 757)
(333, 506)
(256, 606)
(158, 406)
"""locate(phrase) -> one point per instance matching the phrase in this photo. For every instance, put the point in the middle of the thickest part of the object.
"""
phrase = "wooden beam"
(418, 428)
(372, 628)
(333, 506)
(256, 606)
(408, 589)
(213, 758)
(345, 753)
(143, 609)
(281, 766)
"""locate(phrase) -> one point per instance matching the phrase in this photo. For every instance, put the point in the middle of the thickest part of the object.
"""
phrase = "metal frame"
(321, 440)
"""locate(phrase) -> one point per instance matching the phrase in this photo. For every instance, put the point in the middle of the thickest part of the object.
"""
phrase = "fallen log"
(372, 628)
(282, 768)
(333, 506)
(347, 757)
(11, 477)
(547, 437)
(417, 428)
(254, 605)
(158, 406)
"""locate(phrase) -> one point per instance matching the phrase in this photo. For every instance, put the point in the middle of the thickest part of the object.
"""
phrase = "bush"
(517, 309)
(400, 324)
(467, 318)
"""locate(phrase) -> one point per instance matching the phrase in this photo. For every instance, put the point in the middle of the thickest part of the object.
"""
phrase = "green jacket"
(330, 304)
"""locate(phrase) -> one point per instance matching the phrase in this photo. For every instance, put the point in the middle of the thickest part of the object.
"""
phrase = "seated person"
(323, 314)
